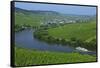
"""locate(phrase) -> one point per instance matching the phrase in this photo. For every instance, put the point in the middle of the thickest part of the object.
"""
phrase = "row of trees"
(43, 36)
(20, 27)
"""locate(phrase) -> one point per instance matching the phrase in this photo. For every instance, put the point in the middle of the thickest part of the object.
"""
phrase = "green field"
(27, 19)
(75, 34)
(24, 57)
(31, 19)
(82, 31)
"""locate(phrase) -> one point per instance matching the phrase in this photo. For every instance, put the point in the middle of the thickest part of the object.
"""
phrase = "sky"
(65, 9)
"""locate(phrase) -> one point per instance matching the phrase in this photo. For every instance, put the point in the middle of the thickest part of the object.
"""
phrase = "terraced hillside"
(25, 57)
(36, 18)
(83, 31)
(75, 34)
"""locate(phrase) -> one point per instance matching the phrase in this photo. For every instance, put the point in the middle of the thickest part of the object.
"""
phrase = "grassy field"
(24, 57)
(82, 31)
(30, 19)
(73, 34)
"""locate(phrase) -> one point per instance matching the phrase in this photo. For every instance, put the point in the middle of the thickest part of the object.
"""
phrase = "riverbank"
(25, 57)
(74, 34)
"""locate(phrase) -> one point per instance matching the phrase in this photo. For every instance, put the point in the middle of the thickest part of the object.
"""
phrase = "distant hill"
(35, 11)
(38, 17)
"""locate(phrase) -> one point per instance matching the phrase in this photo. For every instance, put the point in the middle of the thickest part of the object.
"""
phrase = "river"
(26, 39)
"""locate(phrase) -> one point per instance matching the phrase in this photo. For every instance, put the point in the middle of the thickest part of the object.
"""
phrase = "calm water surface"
(26, 39)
